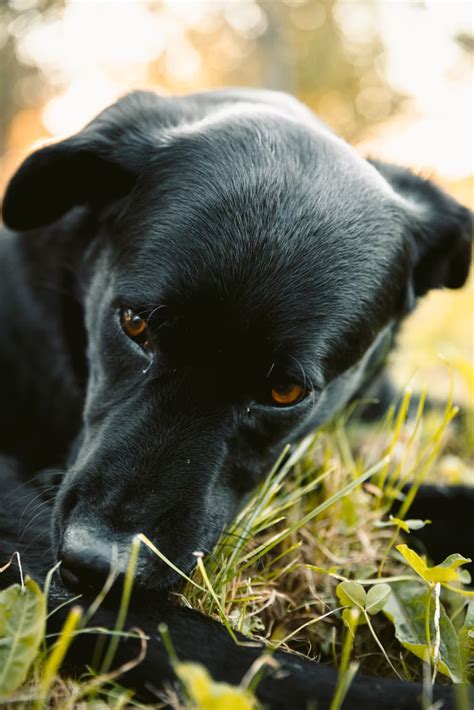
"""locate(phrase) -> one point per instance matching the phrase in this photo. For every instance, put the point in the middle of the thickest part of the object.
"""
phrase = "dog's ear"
(95, 166)
(441, 230)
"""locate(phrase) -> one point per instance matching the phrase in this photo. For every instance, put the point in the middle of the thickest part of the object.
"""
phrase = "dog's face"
(239, 277)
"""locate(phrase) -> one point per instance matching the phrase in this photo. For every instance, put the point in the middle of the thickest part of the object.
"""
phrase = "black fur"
(262, 250)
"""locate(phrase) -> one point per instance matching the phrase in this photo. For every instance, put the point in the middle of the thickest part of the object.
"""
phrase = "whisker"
(39, 511)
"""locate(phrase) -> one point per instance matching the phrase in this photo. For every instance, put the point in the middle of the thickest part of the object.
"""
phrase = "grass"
(274, 576)
(321, 518)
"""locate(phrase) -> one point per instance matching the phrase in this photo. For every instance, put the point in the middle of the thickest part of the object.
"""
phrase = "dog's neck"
(41, 324)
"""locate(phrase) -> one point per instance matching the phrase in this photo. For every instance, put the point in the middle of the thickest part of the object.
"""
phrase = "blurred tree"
(21, 84)
(327, 52)
(465, 41)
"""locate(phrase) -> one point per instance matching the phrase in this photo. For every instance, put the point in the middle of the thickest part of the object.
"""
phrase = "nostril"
(77, 572)
(85, 560)
(69, 578)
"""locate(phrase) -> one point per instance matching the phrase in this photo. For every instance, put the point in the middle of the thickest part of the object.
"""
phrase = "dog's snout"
(86, 559)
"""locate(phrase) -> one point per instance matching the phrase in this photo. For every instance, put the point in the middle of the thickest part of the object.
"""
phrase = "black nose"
(86, 559)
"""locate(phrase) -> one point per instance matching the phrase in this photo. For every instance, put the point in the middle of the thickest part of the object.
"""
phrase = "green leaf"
(206, 694)
(406, 608)
(416, 524)
(465, 576)
(406, 525)
(22, 627)
(454, 561)
(466, 636)
(351, 594)
(352, 618)
(445, 572)
(469, 618)
(376, 598)
(414, 560)
(400, 523)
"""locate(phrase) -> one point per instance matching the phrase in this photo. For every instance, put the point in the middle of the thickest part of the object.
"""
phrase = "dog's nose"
(86, 560)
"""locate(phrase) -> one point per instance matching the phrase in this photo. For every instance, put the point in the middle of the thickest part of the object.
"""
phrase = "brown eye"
(285, 395)
(134, 325)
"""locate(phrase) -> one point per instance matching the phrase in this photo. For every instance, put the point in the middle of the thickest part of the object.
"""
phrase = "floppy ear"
(441, 230)
(95, 166)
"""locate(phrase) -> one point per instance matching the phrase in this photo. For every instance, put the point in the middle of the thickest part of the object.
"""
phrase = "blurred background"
(393, 78)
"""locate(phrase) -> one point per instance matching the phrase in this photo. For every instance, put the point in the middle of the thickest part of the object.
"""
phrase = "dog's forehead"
(286, 233)
(240, 192)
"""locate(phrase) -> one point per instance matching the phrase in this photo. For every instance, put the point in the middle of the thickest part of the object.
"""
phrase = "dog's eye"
(134, 326)
(287, 394)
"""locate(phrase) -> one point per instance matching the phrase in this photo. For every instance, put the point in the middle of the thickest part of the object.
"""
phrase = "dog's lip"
(169, 584)
(155, 581)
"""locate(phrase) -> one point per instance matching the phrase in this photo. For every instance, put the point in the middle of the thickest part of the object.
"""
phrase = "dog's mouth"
(112, 586)
(92, 563)
(147, 576)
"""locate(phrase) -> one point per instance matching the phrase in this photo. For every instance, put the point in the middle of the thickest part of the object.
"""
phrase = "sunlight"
(89, 65)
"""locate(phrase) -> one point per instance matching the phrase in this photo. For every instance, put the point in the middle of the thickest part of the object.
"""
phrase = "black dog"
(191, 283)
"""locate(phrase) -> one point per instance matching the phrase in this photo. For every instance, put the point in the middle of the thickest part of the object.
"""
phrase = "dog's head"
(243, 263)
